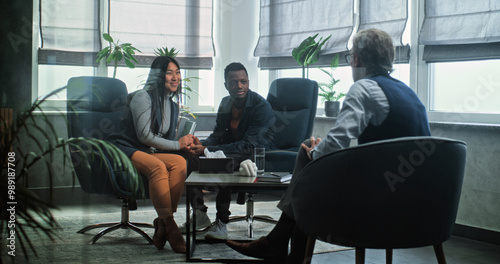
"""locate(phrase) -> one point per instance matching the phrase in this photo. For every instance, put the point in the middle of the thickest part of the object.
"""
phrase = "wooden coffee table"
(236, 182)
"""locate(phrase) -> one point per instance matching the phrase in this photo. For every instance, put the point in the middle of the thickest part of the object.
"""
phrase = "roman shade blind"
(71, 30)
(390, 16)
(284, 24)
(185, 25)
(387, 15)
(460, 30)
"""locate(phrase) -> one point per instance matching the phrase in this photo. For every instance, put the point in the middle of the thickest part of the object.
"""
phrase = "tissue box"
(216, 165)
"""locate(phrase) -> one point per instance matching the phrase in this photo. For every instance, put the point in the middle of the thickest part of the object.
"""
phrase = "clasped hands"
(191, 144)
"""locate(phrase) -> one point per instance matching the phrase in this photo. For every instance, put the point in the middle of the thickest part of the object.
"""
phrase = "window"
(367, 14)
(453, 74)
(57, 76)
(460, 54)
(70, 35)
(465, 87)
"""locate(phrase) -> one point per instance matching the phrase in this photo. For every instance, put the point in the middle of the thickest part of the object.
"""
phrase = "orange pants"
(166, 174)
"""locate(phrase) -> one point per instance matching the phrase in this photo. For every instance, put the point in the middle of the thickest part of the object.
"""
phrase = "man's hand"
(196, 150)
(314, 142)
(196, 141)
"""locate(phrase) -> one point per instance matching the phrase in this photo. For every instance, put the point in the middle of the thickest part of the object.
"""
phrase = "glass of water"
(259, 159)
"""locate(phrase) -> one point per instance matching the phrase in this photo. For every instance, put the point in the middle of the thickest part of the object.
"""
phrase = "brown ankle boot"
(160, 236)
(174, 236)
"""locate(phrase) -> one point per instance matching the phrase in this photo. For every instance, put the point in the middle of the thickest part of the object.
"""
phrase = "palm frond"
(33, 145)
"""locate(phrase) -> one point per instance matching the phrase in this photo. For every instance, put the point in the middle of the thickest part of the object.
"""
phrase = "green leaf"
(313, 55)
(298, 52)
(302, 56)
(119, 56)
(103, 53)
(307, 42)
(132, 58)
(107, 37)
(335, 61)
(129, 64)
(324, 41)
(295, 52)
(159, 52)
(110, 58)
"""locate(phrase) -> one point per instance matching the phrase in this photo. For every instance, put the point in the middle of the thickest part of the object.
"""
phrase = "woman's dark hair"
(155, 85)
(156, 77)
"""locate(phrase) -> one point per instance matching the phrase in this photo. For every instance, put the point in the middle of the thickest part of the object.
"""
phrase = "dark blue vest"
(407, 116)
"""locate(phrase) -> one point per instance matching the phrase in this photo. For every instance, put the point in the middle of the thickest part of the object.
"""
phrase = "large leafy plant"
(328, 92)
(115, 52)
(307, 53)
(30, 144)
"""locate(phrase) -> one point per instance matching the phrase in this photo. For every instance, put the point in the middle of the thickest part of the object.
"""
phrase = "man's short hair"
(234, 66)
(375, 50)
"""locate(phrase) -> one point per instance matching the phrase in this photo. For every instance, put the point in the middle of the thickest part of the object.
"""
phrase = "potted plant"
(307, 53)
(328, 94)
(28, 143)
(116, 53)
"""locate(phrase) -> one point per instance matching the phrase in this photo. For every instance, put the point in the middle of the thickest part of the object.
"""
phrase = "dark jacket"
(256, 127)
(125, 137)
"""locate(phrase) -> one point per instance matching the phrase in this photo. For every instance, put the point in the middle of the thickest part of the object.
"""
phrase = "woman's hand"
(196, 141)
(186, 142)
(308, 149)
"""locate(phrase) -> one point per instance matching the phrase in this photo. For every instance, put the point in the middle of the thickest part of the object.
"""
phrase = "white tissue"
(214, 155)
(248, 168)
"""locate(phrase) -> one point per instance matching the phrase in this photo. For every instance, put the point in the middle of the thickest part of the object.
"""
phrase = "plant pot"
(332, 108)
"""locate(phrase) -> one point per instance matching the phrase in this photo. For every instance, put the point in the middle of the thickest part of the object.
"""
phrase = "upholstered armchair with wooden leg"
(399, 193)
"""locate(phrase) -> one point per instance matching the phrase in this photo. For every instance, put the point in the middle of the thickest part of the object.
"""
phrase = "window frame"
(81, 59)
(421, 78)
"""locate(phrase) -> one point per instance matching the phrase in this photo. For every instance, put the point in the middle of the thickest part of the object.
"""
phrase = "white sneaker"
(202, 221)
(218, 231)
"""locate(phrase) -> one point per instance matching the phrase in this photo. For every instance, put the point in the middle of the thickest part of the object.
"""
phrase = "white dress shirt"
(364, 104)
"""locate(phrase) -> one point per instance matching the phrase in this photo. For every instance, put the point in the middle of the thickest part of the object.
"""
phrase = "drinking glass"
(259, 159)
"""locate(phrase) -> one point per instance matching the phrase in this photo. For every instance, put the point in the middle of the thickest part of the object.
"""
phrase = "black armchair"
(398, 193)
(94, 107)
(294, 102)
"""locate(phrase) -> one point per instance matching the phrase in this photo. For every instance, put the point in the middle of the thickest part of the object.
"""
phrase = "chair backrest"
(94, 106)
(294, 102)
(395, 193)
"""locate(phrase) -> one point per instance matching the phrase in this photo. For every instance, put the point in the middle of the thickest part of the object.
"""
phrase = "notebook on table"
(275, 177)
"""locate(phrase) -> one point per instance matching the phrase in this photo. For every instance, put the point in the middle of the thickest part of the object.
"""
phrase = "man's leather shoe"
(260, 248)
